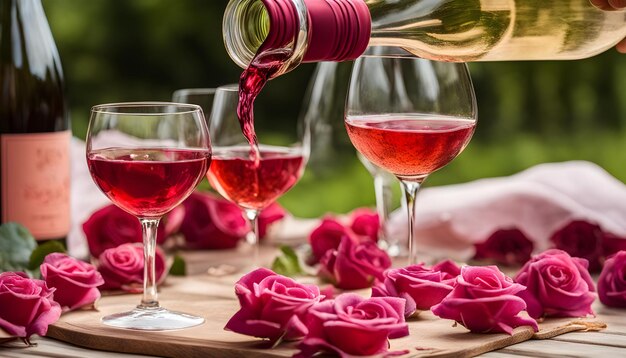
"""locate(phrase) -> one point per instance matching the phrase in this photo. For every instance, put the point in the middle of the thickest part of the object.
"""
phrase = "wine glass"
(147, 157)
(203, 97)
(411, 117)
(386, 202)
(323, 108)
(250, 182)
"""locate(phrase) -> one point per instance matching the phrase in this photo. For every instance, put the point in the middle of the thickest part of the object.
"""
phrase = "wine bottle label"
(36, 182)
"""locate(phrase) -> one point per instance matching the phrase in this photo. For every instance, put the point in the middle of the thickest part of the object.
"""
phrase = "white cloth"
(537, 201)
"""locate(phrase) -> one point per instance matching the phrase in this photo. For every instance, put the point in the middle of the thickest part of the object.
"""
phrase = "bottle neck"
(339, 30)
(313, 30)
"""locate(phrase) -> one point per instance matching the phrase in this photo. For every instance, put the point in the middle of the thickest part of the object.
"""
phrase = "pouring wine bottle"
(34, 124)
(445, 30)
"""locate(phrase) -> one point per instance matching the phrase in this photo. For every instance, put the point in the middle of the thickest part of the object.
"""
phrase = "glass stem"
(149, 229)
(410, 192)
(252, 238)
(384, 194)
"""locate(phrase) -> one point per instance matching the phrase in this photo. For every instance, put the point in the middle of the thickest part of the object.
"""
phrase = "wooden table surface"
(608, 343)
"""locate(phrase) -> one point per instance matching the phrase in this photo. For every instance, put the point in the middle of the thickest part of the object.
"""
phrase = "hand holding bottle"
(610, 5)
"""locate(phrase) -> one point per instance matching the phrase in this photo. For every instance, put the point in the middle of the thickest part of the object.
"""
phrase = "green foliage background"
(530, 112)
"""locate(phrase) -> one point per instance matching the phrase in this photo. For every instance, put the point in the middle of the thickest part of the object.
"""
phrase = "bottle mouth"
(246, 25)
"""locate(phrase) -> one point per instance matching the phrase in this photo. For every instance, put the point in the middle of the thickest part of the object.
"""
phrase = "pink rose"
(76, 282)
(484, 300)
(268, 216)
(581, 239)
(557, 284)
(355, 264)
(422, 287)
(326, 236)
(122, 267)
(351, 325)
(448, 268)
(612, 281)
(272, 306)
(365, 223)
(111, 226)
(612, 244)
(212, 223)
(508, 246)
(26, 305)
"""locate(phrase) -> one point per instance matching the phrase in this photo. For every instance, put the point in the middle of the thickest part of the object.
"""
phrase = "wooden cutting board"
(214, 299)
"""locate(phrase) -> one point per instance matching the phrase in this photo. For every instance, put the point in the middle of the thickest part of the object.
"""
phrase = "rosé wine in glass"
(411, 117)
(236, 176)
(147, 157)
(250, 171)
(148, 182)
(409, 145)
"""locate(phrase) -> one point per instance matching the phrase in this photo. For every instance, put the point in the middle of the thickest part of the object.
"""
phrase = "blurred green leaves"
(16, 246)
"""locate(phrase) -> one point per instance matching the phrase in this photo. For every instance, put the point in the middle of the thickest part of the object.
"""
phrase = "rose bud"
(581, 239)
(76, 282)
(558, 285)
(508, 247)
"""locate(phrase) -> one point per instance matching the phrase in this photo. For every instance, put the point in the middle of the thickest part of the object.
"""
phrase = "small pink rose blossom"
(485, 300)
(27, 306)
(581, 239)
(612, 244)
(422, 287)
(364, 226)
(355, 264)
(212, 223)
(351, 325)
(448, 268)
(268, 216)
(365, 223)
(507, 246)
(325, 237)
(111, 226)
(76, 282)
(272, 306)
(612, 281)
(122, 267)
(558, 285)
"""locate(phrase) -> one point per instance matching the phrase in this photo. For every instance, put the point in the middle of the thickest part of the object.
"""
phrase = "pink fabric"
(537, 201)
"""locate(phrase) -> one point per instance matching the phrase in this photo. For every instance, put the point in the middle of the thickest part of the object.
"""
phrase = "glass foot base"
(152, 319)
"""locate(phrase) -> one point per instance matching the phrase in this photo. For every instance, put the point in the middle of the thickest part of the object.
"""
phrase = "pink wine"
(236, 176)
(148, 182)
(262, 68)
(409, 146)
